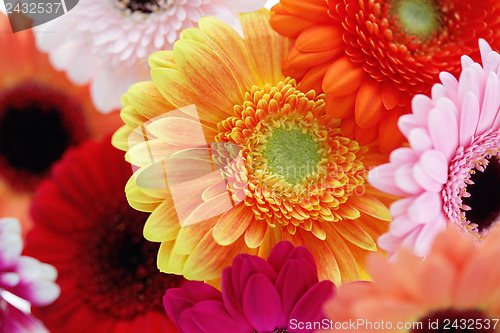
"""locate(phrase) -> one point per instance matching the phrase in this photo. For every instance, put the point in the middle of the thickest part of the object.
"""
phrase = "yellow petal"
(267, 48)
(356, 235)
(371, 206)
(255, 234)
(189, 236)
(163, 224)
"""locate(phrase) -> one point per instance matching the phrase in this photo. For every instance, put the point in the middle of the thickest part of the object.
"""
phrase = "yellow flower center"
(297, 168)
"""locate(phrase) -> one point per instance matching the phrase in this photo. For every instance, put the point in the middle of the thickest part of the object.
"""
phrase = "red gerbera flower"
(372, 56)
(86, 229)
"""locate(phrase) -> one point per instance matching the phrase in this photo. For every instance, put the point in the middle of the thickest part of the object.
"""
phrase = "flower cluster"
(322, 165)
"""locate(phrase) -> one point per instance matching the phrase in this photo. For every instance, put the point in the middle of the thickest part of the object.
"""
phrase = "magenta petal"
(13, 320)
(252, 265)
(261, 303)
(232, 301)
(212, 317)
(176, 300)
(295, 279)
(310, 307)
(187, 323)
(279, 254)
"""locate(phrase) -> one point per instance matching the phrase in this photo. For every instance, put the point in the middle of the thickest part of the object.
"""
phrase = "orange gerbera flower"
(276, 168)
(41, 114)
(455, 289)
(371, 56)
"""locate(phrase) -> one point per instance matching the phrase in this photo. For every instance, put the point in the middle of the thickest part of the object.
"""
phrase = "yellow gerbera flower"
(289, 173)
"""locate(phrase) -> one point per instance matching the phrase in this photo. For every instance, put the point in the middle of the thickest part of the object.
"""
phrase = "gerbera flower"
(450, 172)
(292, 175)
(41, 115)
(280, 295)
(455, 289)
(85, 228)
(108, 42)
(24, 277)
(371, 57)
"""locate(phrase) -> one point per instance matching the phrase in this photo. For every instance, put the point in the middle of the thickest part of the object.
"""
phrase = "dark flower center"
(145, 6)
(37, 125)
(282, 330)
(118, 266)
(455, 321)
(484, 199)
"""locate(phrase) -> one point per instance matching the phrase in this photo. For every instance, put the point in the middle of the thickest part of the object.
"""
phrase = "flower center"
(484, 199)
(144, 6)
(297, 169)
(118, 266)
(455, 321)
(471, 194)
(37, 125)
(292, 153)
(417, 17)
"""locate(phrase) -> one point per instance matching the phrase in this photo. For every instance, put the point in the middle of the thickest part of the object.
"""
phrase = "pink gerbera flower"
(280, 295)
(451, 171)
(22, 278)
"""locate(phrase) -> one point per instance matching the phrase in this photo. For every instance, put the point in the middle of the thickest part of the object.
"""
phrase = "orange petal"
(313, 79)
(345, 259)
(356, 235)
(390, 94)
(389, 134)
(286, 24)
(371, 206)
(340, 107)
(232, 224)
(319, 38)
(365, 136)
(369, 108)
(348, 126)
(314, 10)
(256, 231)
(343, 78)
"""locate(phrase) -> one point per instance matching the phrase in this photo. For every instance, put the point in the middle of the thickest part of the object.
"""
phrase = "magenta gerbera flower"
(451, 171)
(280, 295)
(24, 278)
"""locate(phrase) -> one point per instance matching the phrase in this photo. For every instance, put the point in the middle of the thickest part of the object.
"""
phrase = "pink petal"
(310, 307)
(403, 155)
(492, 63)
(443, 127)
(262, 303)
(402, 226)
(400, 206)
(279, 254)
(296, 277)
(406, 123)
(425, 207)
(421, 105)
(383, 179)
(212, 317)
(420, 140)
(469, 117)
(424, 180)
(427, 235)
(438, 91)
(466, 61)
(450, 84)
(435, 165)
(485, 50)
(404, 180)
(491, 104)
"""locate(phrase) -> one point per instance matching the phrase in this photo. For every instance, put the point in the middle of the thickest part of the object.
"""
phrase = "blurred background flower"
(107, 43)
(257, 296)
(84, 226)
(41, 115)
(371, 57)
(22, 277)
(457, 282)
(451, 171)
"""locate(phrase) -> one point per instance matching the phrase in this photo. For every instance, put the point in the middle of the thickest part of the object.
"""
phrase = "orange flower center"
(297, 168)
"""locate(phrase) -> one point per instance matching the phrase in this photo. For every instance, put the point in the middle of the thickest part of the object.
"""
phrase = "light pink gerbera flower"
(24, 277)
(108, 42)
(451, 171)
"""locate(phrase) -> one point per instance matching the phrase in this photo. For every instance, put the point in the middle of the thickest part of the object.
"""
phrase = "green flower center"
(292, 153)
(417, 17)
